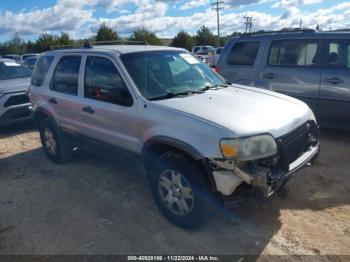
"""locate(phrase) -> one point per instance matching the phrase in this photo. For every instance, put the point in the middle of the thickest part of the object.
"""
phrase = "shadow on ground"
(18, 129)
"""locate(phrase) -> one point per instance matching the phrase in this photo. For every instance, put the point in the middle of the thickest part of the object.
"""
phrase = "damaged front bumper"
(228, 176)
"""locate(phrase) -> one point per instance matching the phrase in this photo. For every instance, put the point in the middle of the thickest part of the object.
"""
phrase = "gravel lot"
(93, 206)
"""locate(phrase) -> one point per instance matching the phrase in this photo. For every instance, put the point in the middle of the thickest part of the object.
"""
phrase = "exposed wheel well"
(157, 149)
(39, 116)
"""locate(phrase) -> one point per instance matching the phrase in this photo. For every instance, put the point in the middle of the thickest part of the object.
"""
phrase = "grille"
(298, 141)
(16, 100)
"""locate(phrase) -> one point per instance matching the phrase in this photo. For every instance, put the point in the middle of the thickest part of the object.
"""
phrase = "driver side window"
(103, 82)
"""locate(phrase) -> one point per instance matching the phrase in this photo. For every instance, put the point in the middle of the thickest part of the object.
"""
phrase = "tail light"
(217, 70)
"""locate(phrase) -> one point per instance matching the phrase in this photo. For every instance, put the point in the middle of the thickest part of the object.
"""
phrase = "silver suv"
(200, 139)
(14, 83)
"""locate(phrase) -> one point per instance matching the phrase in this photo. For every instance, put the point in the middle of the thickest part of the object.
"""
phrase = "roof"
(289, 34)
(7, 60)
(121, 49)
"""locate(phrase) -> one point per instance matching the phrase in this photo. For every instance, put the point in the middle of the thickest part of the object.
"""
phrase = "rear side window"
(244, 53)
(339, 54)
(103, 82)
(66, 76)
(40, 70)
(294, 53)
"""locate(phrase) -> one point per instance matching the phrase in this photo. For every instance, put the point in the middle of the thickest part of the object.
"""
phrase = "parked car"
(213, 59)
(25, 56)
(198, 138)
(311, 66)
(14, 83)
(203, 52)
(12, 57)
(30, 62)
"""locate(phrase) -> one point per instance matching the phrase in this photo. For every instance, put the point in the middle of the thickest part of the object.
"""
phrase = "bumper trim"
(305, 158)
(297, 165)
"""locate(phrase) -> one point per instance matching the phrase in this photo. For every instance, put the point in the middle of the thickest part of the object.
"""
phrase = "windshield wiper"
(173, 94)
(207, 87)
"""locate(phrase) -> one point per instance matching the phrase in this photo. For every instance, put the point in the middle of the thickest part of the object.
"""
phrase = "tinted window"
(244, 53)
(41, 69)
(66, 76)
(294, 53)
(27, 56)
(12, 69)
(339, 54)
(218, 51)
(103, 82)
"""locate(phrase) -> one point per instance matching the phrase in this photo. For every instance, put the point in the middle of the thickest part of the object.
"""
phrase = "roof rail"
(123, 42)
(88, 44)
(79, 45)
(283, 30)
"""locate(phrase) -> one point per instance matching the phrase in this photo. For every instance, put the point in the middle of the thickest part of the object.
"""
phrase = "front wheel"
(179, 190)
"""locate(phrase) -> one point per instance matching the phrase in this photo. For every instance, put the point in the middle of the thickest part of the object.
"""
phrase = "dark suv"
(311, 66)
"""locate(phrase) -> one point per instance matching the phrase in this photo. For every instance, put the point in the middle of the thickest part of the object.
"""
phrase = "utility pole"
(217, 7)
(300, 23)
(248, 23)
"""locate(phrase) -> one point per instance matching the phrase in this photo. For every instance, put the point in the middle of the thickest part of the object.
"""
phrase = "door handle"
(334, 80)
(53, 101)
(88, 109)
(269, 75)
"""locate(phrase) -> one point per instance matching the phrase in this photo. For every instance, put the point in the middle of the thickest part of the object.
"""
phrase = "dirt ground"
(95, 206)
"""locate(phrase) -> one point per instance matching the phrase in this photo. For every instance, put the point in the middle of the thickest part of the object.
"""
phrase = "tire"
(193, 190)
(54, 143)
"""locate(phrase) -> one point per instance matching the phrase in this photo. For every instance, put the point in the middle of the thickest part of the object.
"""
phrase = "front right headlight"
(249, 148)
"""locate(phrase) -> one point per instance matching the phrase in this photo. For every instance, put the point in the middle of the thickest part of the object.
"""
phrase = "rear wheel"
(179, 190)
(54, 144)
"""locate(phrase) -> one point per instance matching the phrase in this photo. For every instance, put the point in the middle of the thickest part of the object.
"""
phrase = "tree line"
(45, 41)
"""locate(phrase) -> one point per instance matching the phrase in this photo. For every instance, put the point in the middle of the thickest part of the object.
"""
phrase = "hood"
(244, 110)
(14, 85)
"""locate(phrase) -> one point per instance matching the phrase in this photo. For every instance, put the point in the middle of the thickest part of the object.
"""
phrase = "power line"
(248, 23)
(217, 6)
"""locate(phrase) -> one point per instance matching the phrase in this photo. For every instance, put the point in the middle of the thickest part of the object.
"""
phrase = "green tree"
(143, 34)
(16, 45)
(44, 42)
(183, 40)
(64, 39)
(106, 33)
(205, 37)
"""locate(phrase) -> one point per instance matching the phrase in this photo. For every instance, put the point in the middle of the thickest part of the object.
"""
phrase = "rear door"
(240, 63)
(292, 67)
(334, 98)
(63, 93)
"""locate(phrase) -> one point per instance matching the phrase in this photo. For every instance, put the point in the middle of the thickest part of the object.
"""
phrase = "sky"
(81, 18)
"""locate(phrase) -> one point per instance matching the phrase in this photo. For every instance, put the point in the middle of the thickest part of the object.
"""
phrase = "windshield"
(163, 72)
(12, 69)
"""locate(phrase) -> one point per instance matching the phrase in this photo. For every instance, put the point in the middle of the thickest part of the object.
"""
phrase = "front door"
(334, 98)
(107, 109)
